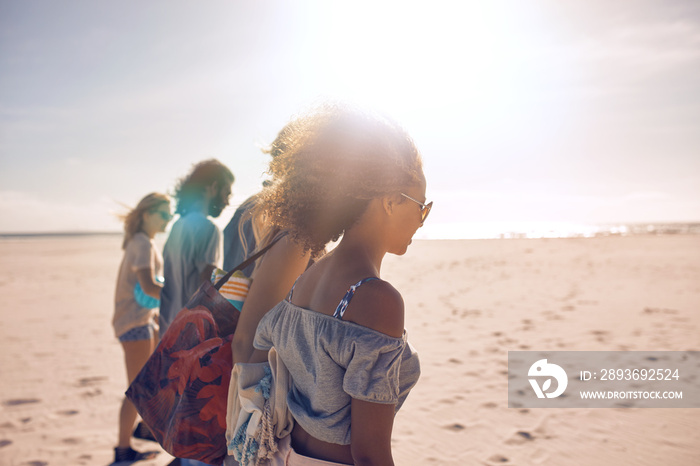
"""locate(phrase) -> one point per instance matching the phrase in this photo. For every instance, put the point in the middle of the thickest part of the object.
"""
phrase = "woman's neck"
(150, 234)
(360, 250)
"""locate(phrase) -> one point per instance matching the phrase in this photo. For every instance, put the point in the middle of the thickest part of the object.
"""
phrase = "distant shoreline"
(495, 230)
(60, 234)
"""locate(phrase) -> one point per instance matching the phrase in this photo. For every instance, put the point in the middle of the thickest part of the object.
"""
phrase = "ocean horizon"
(475, 230)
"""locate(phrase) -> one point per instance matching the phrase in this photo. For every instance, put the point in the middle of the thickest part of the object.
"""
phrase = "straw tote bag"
(182, 390)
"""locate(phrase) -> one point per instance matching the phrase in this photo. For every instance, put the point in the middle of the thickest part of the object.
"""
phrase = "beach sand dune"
(468, 303)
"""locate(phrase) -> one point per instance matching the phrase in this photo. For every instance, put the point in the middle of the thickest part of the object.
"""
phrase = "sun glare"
(404, 59)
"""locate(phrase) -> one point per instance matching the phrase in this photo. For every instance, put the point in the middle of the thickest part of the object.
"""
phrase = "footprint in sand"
(656, 310)
(541, 428)
(551, 315)
(507, 341)
(470, 312)
(498, 459)
(4, 443)
(447, 401)
(68, 412)
(71, 441)
(454, 427)
(519, 438)
(680, 319)
(601, 335)
(91, 393)
(490, 405)
(527, 325)
(20, 401)
(35, 463)
(88, 381)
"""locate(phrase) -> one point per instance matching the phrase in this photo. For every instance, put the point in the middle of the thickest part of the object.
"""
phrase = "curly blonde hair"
(133, 220)
(327, 165)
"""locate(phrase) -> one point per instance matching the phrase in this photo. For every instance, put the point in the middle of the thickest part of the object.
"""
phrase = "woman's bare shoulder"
(379, 306)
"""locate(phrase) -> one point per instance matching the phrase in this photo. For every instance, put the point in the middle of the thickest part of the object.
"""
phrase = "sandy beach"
(468, 303)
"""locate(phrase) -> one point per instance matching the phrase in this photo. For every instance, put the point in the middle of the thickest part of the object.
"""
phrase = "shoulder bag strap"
(247, 262)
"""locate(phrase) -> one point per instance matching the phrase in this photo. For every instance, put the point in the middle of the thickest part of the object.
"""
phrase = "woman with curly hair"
(340, 330)
(135, 322)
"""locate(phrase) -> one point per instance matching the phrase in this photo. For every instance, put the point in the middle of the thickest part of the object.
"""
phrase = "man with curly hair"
(192, 250)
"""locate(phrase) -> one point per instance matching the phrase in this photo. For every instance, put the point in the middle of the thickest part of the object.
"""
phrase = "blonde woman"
(135, 325)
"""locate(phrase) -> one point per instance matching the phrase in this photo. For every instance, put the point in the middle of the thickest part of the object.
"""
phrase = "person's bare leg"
(136, 353)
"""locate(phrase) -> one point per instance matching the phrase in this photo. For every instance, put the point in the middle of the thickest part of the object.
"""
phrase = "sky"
(524, 111)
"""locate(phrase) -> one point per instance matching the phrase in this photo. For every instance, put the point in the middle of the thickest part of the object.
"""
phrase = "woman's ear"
(389, 203)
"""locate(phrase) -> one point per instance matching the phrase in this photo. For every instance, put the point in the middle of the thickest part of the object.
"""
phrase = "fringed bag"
(257, 414)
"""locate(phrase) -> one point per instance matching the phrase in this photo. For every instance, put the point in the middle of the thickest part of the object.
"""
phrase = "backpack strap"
(340, 310)
(248, 261)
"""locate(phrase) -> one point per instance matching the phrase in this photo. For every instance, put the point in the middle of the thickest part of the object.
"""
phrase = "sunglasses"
(166, 216)
(424, 208)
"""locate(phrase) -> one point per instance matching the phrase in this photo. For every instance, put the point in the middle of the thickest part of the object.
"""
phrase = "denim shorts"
(144, 332)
